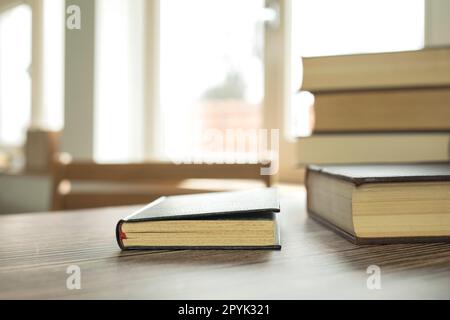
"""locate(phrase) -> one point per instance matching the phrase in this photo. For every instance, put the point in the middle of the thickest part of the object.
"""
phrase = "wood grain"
(36, 249)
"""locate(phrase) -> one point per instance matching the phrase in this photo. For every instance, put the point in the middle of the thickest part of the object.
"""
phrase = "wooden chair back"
(162, 177)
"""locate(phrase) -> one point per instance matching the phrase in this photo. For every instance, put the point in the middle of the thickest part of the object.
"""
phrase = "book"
(373, 148)
(221, 220)
(408, 69)
(382, 203)
(413, 110)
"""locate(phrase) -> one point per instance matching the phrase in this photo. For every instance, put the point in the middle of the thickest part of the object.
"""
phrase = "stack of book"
(380, 145)
(378, 108)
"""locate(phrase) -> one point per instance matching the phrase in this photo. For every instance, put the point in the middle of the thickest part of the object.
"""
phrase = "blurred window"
(323, 27)
(15, 81)
(54, 27)
(211, 78)
(15, 70)
(118, 84)
(211, 69)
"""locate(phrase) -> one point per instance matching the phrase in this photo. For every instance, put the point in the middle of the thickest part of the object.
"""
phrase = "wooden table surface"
(36, 250)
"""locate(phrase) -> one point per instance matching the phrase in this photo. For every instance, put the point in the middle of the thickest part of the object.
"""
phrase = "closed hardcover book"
(222, 220)
(375, 204)
(397, 110)
(409, 69)
(373, 148)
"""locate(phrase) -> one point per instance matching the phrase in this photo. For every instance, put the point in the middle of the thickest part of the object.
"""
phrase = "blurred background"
(144, 80)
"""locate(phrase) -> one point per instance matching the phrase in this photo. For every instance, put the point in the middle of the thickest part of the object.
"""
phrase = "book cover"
(382, 204)
(238, 209)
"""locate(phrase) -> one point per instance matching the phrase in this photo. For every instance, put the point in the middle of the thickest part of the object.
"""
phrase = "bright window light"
(15, 81)
(325, 27)
(53, 64)
(211, 75)
(117, 84)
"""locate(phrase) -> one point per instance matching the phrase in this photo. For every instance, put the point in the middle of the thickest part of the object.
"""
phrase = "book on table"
(382, 203)
(221, 220)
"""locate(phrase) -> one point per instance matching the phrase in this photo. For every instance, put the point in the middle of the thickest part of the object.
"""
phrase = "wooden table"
(36, 250)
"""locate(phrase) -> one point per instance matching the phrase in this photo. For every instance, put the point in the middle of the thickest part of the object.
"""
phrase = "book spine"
(120, 235)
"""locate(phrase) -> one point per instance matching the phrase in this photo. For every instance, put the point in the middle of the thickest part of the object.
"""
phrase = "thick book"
(412, 110)
(373, 148)
(408, 69)
(376, 204)
(221, 220)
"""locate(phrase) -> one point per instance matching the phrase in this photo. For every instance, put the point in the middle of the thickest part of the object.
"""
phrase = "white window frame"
(6, 5)
(37, 112)
(278, 87)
